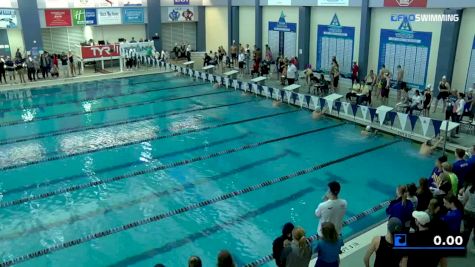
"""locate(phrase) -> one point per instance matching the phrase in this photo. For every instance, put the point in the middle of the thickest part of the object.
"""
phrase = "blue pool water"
(84, 158)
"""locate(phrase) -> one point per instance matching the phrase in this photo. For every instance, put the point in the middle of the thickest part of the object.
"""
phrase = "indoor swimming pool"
(156, 168)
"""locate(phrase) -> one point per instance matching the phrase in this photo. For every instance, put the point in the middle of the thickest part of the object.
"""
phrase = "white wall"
(247, 25)
(350, 17)
(272, 13)
(216, 28)
(464, 49)
(112, 33)
(381, 19)
(15, 38)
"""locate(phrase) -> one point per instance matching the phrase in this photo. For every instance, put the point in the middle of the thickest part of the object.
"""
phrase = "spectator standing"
(36, 62)
(328, 247)
(437, 170)
(385, 84)
(454, 215)
(381, 76)
(10, 68)
(460, 167)
(298, 252)
(72, 67)
(188, 52)
(332, 209)
(30, 65)
(64, 65)
(291, 73)
(18, 54)
(2, 70)
(427, 100)
(371, 79)
(225, 259)
(423, 195)
(383, 246)
(278, 244)
(241, 62)
(20, 69)
(458, 110)
(412, 194)
(468, 200)
(444, 92)
(401, 207)
(354, 73)
(234, 53)
(447, 168)
(335, 74)
(400, 81)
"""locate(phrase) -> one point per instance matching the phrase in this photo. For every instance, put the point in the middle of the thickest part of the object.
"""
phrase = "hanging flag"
(330, 105)
(436, 124)
(382, 116)
(266, 91)
(307, 99)
(260, 89)
(354, 108)
(226, 82)
(372, 113)
(425, 124)
(271, 91)
(413, 121)
(346, 106)
(254, 87)
(392, 116)
(282, 95)
(289, 95)
(364, 110)
(322, 103)
(294, 97)
(402, 120)
(316, 101)
(338, 106)
(301, 99)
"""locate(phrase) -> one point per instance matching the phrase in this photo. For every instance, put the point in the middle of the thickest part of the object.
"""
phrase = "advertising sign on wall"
(99, 51)
(133, 2)
(405, 3)
(109, 16)
(136, 49)
(107, 3)
(181, 2)
(179, 14)
(58, 17)
(85, 16)
(133, 15)
(8, 19)
(333, 2)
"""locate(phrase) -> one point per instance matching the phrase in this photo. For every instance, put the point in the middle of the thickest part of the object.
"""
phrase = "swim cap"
(368, 128)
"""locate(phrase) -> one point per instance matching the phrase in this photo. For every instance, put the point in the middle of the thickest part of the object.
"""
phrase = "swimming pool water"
(84, 158)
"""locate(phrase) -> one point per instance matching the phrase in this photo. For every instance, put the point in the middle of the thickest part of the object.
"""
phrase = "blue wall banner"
(409, 49)
(282, 38)
(181, 2)
(133, 15)
(8, 18)
(470, 83)
(335, 40)
(179, 14)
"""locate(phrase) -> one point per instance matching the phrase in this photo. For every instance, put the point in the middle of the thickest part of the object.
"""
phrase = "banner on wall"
(470, 83)
(181, 2)
(333, 2)
(109, 16)
(99, 51)
(279, 2)
(179, 14)
(283, 37)
(136, 49)
(407, 48)
(335, 40)
(56, 4)
(8, 19)
(133, 2)
(84, 16)
(58, 17)
(133, 15)
(107, 3)
(405, 3)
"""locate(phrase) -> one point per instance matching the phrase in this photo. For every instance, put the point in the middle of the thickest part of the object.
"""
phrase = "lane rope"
(137, 223)
(159, 168)
(268, 258)
(97, 98)
(121, 106)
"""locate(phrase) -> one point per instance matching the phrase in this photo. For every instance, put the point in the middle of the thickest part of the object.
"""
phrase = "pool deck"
(464, 141)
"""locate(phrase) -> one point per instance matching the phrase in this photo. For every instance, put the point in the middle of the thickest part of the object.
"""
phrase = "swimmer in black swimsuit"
(444, 92)
(427, 100)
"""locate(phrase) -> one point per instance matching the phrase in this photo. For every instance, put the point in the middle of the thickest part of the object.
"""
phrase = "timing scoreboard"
(442, 245)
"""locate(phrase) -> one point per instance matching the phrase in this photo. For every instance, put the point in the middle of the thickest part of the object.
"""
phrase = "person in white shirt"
(416, 103)
(241, 62)
(332, 209)
(458, 110)
(291, 73)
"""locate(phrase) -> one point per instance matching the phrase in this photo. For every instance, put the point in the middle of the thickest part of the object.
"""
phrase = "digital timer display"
(445, 245)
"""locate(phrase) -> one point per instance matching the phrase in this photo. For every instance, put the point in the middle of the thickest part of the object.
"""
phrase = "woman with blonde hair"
(328, 248)
(401, 207)
(297, 253)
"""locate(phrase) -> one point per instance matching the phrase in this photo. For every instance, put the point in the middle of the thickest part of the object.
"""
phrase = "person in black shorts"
(444, 92)
(385, 82)
(427, 100)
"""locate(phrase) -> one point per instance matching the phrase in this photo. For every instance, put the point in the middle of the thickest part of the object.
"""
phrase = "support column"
(234, 25)
(303, 52)
(365, 31)
(449, 36)
(30, 23)
(154, 25)
(201, 30)
(258, 23)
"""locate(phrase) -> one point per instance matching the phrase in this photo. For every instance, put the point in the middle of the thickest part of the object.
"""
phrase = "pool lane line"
(132, 260)
(194, 206)
(352, 219)
(110, 96)
(94, 84)
(121, 106)
(144, 198)
(160, 168)
(159, 137)
(101, 125)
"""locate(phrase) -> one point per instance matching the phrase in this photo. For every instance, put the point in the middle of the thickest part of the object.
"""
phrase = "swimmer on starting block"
(428, 148)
